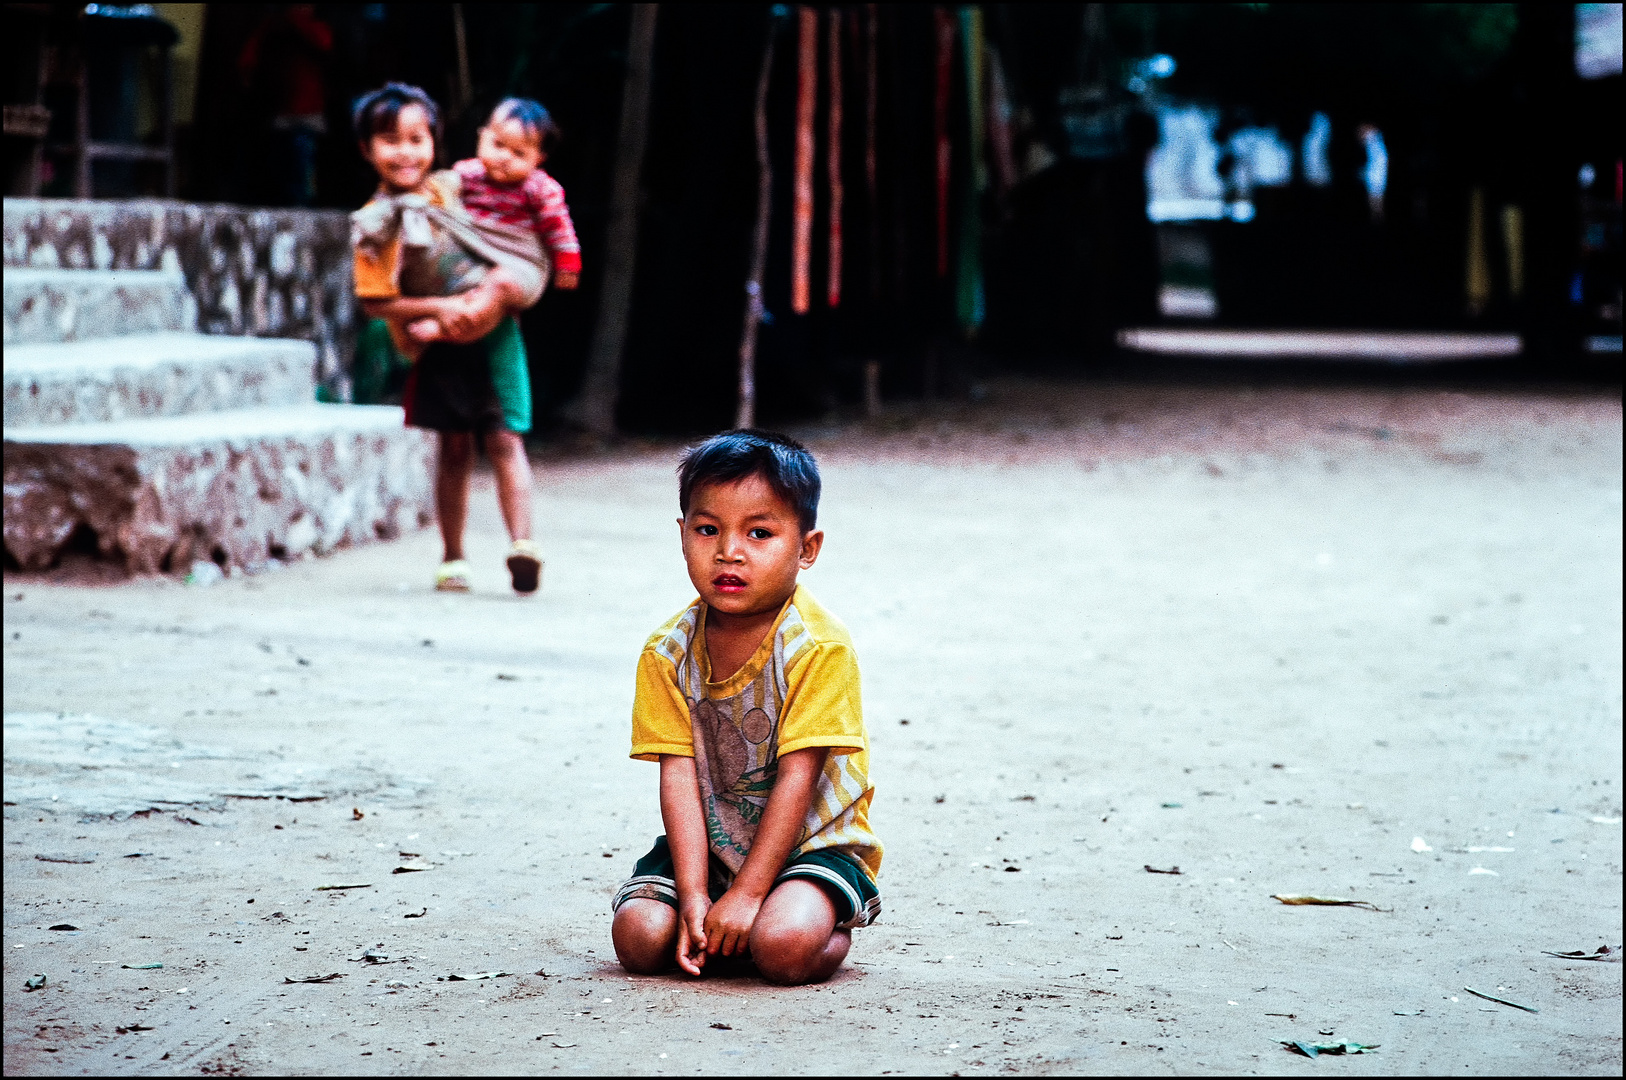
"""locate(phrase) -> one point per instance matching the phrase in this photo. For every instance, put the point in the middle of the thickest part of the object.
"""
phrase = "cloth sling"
(412, 218)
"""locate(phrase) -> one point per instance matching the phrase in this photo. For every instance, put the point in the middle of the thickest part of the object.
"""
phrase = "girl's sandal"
(525, 566)
(453, 576)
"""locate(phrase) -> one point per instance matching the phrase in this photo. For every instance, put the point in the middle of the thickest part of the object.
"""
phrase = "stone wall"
(264, 273)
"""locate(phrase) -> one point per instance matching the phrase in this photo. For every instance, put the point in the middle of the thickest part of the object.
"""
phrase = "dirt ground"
(1266, 636)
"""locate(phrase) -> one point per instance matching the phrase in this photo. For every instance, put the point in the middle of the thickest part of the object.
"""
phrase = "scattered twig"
(1325, 901)
(1604, 954)
(358, 885)
(1154, 870)
(314, 978)
(1501, 1001)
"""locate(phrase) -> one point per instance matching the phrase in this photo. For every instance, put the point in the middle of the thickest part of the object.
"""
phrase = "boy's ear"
(812, 544)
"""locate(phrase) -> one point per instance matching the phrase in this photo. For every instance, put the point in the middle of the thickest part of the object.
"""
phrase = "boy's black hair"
(783, 462)
(378, 110)
(532, 116)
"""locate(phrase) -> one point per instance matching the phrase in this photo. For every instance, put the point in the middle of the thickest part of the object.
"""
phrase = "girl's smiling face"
(744, 545)
(404, 155)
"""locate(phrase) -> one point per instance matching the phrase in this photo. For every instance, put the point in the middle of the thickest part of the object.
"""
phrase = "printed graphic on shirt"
(800, 690)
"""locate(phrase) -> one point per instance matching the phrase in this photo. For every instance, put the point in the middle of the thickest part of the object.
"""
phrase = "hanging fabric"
(832, 159)
(940, 108)
(807, 85)
(999, 125)
(871, 184)
(746, 407)
(968, 292)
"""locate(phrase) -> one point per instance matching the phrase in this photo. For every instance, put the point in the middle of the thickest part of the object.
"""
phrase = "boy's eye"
(706, 530)
(759, 533)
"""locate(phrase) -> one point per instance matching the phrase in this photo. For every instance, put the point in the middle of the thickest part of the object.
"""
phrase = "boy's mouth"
(728, 583)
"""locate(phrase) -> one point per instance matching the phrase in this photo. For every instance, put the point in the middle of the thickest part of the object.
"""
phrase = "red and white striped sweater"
(538, 203)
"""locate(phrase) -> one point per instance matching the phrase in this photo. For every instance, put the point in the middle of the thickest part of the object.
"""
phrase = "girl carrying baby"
(446, 259)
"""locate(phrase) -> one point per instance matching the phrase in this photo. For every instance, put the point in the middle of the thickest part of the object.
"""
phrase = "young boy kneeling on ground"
(749, 699)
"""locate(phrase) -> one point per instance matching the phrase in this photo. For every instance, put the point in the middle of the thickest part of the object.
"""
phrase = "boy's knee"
(644, 933)
(792, 955)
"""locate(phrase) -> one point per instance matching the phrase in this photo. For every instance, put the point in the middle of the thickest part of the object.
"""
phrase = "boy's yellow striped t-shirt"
(800, 689)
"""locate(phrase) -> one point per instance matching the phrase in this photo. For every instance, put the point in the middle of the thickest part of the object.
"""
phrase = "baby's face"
(509, 152)
(744, 546)
(403, 156)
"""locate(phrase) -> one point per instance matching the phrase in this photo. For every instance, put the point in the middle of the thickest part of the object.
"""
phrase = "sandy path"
(1317, 623)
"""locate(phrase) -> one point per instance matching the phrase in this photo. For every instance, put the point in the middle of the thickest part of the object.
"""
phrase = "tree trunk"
(603, 383)
(745, 414)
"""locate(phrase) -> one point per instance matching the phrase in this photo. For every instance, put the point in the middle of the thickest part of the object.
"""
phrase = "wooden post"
(465, 86)
(745, 415)
(167, 118)
(832, 159)
(940, 130)
(872, 388)
(603, 381)
(81, 127)
(871, 180)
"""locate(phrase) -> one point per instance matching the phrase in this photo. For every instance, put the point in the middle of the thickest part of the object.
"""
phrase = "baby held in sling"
(476, 243)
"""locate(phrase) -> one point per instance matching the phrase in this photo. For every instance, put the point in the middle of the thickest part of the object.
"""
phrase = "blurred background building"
(998, 186)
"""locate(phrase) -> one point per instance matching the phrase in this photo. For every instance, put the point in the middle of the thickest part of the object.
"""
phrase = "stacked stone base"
(128, 432)
(236, 487)
(149, 375)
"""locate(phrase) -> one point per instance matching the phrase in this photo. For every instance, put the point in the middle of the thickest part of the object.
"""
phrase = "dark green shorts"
(857, 901)
(479, 387)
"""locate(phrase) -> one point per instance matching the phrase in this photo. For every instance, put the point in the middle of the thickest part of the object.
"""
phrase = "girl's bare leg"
(513, 471)
(452, 470)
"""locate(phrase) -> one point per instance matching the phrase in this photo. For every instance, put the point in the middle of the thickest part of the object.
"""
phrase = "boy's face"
(404, 156)
(744, 546)
(509, 152)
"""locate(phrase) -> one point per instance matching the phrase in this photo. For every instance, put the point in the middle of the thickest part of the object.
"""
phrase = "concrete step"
(146, 375)
(238, 486)
(72, 305)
